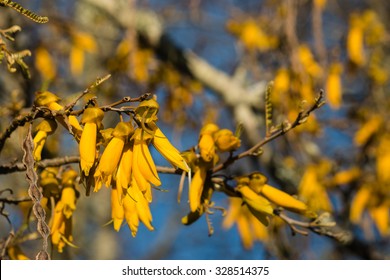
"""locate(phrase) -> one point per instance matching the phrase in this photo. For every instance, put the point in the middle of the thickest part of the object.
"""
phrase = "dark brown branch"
(56, 162)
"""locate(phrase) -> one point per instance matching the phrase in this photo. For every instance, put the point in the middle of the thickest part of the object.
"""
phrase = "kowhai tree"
(148, 130)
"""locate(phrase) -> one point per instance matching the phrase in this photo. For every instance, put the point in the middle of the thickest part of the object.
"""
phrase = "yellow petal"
(380, 215)
(109, 162)
(255, 201)
(123, 175)
(245, 233)
(196, 188)
(117, 211)
(142, 205)
(207, 147)
(355, 46)
(68, 198)
(143, 159)
(283, 199)
(168, 151)
(39, 142)
(87, 147)
(76, 60)
(226, 141)
(45, 64)
(358, 204)
(235, 204)
(131, 215)
(334, 90)
(257, 181)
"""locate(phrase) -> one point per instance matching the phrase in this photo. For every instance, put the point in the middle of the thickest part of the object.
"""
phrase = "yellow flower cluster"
(62, 191)
(50, 101)
(126, 163)
(212, 140)
(312, 188)
(251, 211)
(252, 35)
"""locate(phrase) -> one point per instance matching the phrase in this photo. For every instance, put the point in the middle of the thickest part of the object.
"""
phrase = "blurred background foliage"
(339, 161)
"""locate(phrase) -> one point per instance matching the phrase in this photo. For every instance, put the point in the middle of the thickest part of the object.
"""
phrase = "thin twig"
(301, 118)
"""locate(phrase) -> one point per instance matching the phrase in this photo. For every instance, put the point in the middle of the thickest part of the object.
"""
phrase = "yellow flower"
(49, 184)
(225, 141)
(256, 181)
(383, 159)
(143, 164)
(333, 86)
(44, 128)
(380, 216)
(136, 208)
(61, 229)
(206, 142)
(112, 154)
(167, 150)
(61, 223)
(117, 211)
(286, 201)
(259, 206)
(368, 129)
(91, 119)
(312, 190)
(308, 62)
(358, 204)
(355, 47)
(124, 172)
(249, 227)
(50, 100)
(196, 187)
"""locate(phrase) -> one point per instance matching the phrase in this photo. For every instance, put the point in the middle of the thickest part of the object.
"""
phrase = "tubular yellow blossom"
(117, 210)
(346, 176)
(50, 100)
(355, 46)
(168, 151)
(68, 177)
(112, 154)
(147, 110)
(196, 187)
(131, 215)
(68, 198)
(383, 159)
(358, 204)
(249, 227)
(225, 140)
(243, 227)
(91, 119)
(207, 147)
(255, 201)
(368, 129)
(143, 159)
(235, 204)
(257, 181)
(308, 62)
(124, 173)
(61, 228)
(285, 200)
(281, 84)
(312, 191)
(333, 86)
(142, 206)
(48, 182)
(380, 215)
(44, 128)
